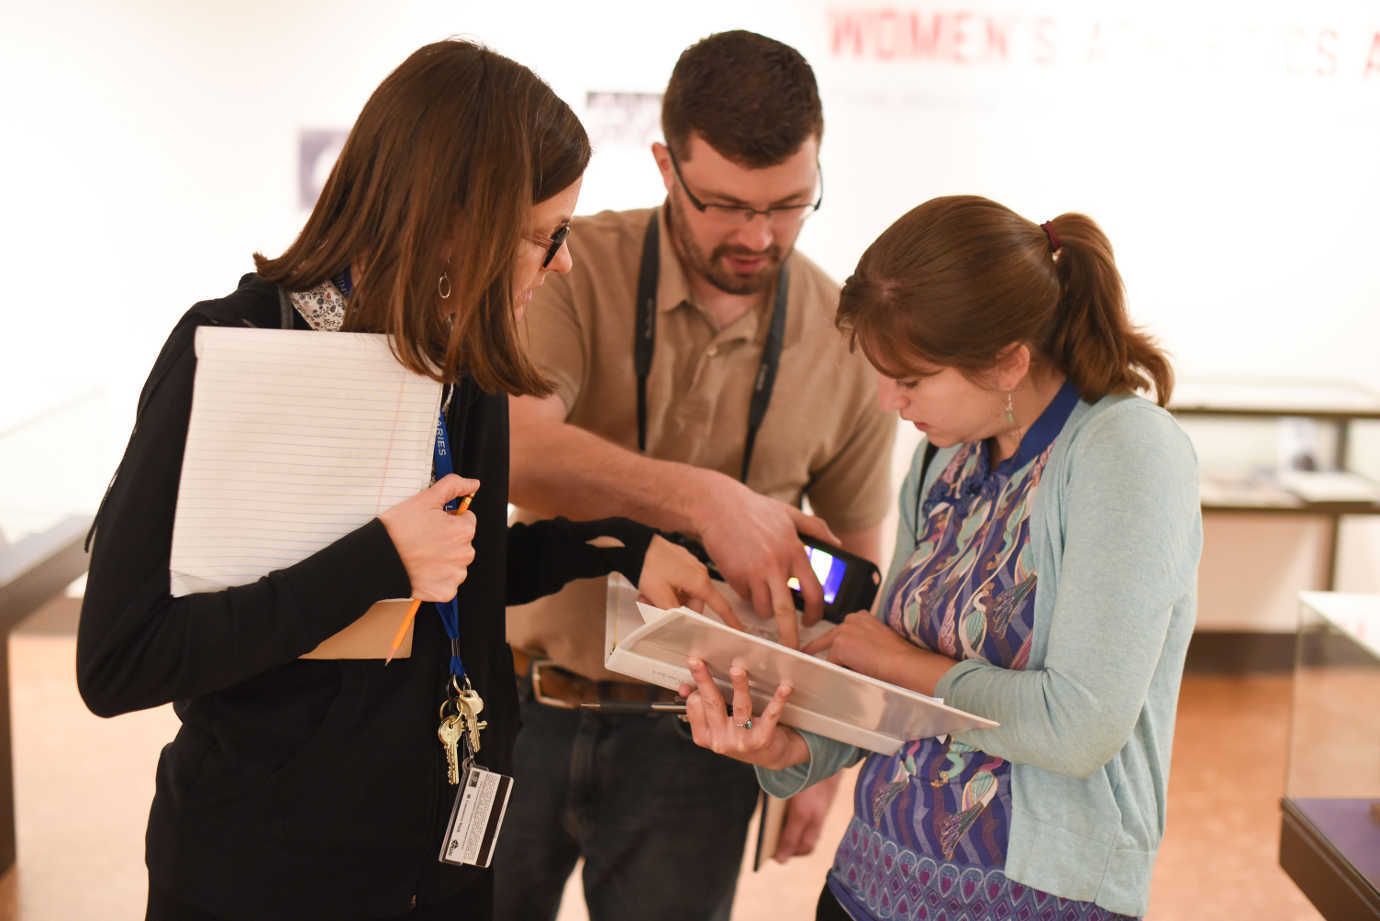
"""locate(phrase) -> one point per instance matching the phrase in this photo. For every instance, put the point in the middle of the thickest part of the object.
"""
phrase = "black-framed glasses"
(552, 243)
(781, 215)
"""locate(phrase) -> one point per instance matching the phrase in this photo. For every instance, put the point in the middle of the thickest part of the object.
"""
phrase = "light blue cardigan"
(1115, 534)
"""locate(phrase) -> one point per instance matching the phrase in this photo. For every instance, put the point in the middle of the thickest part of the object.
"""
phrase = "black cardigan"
(302, 788)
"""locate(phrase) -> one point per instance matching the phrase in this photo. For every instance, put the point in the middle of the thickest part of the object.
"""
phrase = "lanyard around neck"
(644, 340)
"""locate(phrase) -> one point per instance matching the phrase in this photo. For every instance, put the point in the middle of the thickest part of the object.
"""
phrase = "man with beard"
(701, 388)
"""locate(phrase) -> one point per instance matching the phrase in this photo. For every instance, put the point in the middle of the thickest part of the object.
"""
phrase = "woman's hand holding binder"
(435, 546)
(737, 733)
(868, 645)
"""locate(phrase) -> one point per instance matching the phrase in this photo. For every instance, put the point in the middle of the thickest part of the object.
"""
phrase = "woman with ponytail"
(1044, 576)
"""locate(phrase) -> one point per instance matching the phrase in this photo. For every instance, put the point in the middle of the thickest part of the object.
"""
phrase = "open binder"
(652, 644)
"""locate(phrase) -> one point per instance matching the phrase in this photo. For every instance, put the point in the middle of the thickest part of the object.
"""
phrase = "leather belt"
(557, 687)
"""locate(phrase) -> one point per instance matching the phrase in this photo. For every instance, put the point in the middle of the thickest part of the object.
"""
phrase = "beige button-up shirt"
(823, 435)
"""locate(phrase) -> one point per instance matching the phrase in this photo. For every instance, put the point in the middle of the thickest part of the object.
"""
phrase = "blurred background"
(1229, 150)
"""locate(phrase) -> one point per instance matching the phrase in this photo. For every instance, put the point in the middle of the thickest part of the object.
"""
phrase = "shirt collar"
(323, 307)
(1045, 429)
(672, 287)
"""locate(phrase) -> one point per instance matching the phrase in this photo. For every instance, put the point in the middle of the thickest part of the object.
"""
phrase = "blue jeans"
(660, 822)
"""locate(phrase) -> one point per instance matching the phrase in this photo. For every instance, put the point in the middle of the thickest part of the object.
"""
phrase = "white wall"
(1228, 150)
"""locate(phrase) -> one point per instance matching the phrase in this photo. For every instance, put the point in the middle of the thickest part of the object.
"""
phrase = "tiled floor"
(82, 787)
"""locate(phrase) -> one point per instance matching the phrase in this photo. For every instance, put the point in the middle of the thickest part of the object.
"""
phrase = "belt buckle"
(540, 696)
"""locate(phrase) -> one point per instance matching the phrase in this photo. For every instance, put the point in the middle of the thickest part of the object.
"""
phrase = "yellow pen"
(416, 602)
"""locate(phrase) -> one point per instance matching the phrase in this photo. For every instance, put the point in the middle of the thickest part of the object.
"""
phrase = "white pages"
(652, 644)
(296, 438)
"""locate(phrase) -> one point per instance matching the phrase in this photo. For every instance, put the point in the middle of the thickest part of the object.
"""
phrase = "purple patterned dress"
(929, 830)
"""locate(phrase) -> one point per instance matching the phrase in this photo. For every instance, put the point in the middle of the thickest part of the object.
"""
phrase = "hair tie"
(1048, 228)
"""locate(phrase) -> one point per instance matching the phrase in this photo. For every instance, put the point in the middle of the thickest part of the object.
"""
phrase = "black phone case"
(861, 579)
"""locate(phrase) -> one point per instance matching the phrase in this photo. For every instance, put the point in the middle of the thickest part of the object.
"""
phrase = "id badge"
(476, 817)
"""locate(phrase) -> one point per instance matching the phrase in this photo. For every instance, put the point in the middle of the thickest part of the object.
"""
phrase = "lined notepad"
(296, 438)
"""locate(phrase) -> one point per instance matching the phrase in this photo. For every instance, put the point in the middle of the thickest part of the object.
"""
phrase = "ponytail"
(1091, 338)
(957, 280)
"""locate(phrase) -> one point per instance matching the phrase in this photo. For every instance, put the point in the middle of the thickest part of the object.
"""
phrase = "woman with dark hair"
(1044, 577)
(318, 788)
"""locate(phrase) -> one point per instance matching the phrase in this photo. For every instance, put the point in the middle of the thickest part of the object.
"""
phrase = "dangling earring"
(443, 285)
(1010, 409)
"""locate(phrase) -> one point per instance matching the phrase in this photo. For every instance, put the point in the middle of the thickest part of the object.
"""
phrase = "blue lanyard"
(449, 610)
(344, 282)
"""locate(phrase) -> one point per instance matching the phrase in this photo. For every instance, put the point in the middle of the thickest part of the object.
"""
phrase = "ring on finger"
(745, 724)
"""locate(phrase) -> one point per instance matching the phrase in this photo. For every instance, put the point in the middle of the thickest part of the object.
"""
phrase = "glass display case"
(1319, 486)
(55, 466)
(1330, 823)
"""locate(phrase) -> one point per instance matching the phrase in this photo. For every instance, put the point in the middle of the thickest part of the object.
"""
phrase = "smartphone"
(849, 581)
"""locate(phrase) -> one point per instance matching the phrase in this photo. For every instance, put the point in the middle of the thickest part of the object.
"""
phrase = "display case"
(1330, 823)
(1330, 492)
(55, 466)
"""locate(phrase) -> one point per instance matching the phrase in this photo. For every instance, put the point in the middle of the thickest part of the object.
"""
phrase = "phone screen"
(828, 570)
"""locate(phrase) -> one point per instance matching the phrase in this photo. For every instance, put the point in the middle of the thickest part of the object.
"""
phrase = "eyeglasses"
(552, 243)
(781, 215)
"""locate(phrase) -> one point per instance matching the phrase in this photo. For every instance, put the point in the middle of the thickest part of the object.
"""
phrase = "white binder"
(652, 644)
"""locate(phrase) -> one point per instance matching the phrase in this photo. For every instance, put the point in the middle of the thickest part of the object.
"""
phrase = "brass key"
(469, 722)
(470, 696)
(449, 734)
(467, 693)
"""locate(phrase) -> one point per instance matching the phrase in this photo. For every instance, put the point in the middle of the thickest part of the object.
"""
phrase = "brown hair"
(438, 174)
(958, 279)
(752, 98)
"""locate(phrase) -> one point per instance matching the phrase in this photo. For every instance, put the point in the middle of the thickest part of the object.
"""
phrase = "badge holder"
(477, 816)
(482, 800)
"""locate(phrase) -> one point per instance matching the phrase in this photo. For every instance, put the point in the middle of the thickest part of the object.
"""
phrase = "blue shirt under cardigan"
(1115, 533)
